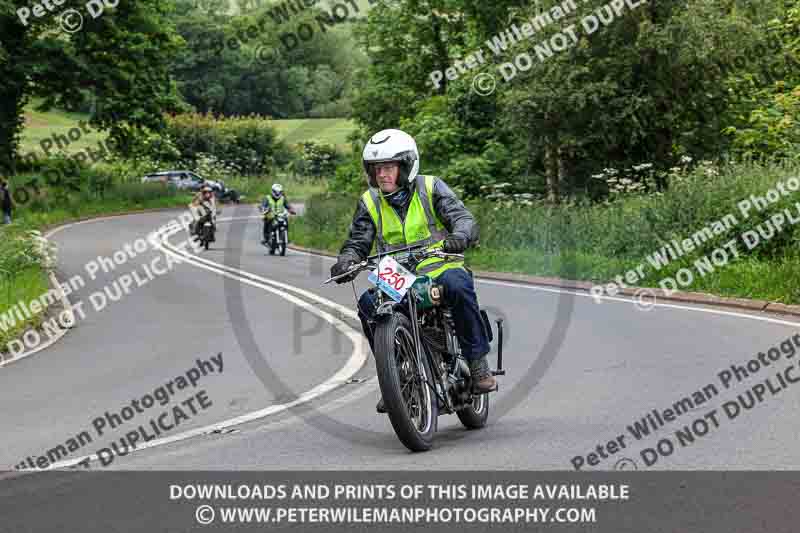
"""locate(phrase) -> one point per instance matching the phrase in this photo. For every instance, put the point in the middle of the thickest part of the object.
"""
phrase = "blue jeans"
(460, 296)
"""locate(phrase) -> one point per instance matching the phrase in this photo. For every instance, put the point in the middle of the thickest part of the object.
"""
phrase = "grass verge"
(600, 242)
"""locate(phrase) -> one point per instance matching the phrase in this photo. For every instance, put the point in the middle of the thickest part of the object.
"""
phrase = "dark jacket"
(5, 200)
(448, 208)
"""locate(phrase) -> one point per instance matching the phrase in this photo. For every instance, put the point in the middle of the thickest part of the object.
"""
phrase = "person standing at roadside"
(5, 201)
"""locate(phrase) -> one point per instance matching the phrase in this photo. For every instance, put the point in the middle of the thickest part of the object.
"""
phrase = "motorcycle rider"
(402, 208)
(203, 209)
(274, 204)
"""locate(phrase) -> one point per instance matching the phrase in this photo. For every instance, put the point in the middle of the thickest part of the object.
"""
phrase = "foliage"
(130, 87)
(661, 81)
(21, 249)
(578, 239)
(210, 167)
(238, 65)
(317, 159)
(768, 113)
(773, 127)
(248, 142)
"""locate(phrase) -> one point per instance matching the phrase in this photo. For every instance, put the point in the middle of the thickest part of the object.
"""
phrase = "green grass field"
(328, 130)
(44, 125)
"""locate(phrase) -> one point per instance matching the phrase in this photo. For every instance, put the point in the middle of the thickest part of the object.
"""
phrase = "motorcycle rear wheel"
(475, 415)
(410, 403)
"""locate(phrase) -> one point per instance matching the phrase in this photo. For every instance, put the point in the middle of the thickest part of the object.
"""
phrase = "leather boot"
(482, 379)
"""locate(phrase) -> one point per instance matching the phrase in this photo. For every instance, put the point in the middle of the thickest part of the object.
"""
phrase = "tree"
(648, 87)
(121, 58)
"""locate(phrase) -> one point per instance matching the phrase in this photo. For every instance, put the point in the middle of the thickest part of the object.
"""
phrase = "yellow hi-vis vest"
(277, 206)
(421, 225)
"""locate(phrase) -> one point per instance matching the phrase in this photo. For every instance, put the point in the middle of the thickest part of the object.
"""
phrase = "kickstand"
(499, 371)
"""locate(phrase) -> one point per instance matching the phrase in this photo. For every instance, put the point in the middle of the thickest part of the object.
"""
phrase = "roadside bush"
(326, 220)
(148, 145)
(249, 142)
(349, 177)
(317, 159)
(21, 249)
(773, 127)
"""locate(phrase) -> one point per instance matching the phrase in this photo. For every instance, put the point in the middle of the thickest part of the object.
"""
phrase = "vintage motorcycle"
(421, 371)
(278, 237)
(206, 230)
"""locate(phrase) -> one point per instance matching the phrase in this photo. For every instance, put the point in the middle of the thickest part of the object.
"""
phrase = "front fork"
(433, 382)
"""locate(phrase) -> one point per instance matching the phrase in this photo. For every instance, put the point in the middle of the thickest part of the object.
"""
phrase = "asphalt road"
(295, 392)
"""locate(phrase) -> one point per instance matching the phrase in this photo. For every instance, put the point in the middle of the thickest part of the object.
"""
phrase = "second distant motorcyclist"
(203, 209)
(274, 204)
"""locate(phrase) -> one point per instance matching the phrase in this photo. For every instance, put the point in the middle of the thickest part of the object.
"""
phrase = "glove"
(342, 266)
(454, 244)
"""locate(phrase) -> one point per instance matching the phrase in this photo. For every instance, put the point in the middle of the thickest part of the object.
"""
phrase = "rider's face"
(386, 175)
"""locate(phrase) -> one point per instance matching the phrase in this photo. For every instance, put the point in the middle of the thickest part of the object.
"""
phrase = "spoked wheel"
(410, 402)
(475, 416)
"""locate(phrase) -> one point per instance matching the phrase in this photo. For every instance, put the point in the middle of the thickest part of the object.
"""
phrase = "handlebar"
(371, 262)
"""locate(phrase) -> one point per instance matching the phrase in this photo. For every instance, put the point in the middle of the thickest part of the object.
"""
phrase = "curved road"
(579, 372)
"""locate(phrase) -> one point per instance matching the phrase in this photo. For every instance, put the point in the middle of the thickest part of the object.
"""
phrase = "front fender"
(385, 310)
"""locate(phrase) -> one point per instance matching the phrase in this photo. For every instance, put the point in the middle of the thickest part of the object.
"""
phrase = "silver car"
(182, 179)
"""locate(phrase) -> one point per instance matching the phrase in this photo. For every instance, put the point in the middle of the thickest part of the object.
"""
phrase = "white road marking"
(770, 319)
(351, 367)
(358, 358)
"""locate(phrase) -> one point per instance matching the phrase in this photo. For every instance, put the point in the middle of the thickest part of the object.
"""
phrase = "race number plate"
(392, 278)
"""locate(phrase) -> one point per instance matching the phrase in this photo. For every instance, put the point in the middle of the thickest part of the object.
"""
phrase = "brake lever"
(358, 266)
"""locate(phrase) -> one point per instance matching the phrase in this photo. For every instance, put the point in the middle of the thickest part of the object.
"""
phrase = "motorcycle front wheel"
(284, 240)
(273, 243)
(410, 402)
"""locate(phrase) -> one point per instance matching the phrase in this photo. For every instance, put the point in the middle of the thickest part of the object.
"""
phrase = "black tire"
(205, 243)
(393, 345)
(283, 242)
(476, 415)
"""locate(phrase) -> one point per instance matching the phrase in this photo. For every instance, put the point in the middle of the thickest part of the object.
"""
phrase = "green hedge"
(251, 143)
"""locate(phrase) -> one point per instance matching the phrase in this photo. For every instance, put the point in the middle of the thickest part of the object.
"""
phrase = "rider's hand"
(454, 244)
(341, 267)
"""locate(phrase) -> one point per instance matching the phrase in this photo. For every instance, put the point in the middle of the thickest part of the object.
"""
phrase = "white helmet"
(277, 190)
(391, 145)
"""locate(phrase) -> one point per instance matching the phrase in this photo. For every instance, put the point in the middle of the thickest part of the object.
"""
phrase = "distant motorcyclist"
(403, 208)
(274, 204)
(203, 209)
